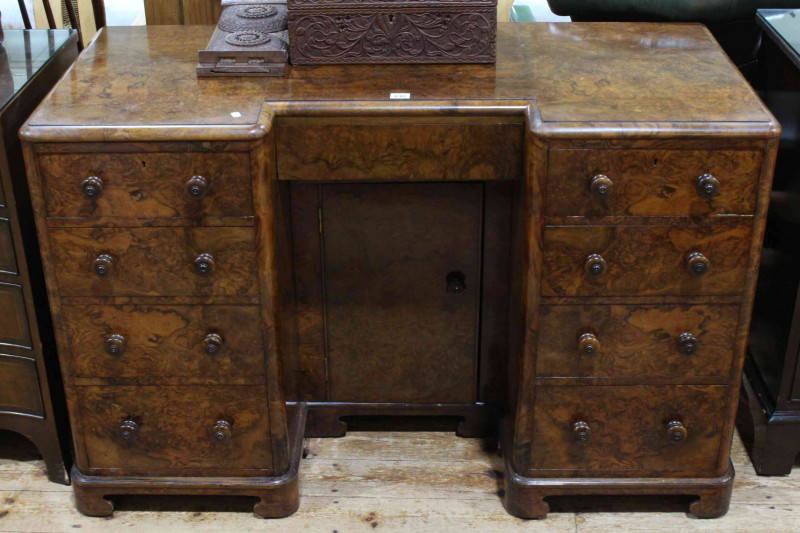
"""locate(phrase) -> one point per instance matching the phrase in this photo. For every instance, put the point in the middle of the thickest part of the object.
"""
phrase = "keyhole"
(391, 18)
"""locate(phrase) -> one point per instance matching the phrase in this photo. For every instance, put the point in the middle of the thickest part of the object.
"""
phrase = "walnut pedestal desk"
(566, 241)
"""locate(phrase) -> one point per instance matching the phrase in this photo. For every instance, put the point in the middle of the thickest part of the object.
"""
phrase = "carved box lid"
(250, 38)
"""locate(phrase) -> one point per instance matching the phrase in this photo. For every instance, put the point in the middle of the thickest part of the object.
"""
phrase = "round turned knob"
(220, 431)
(707, 186)
(197, 186)
(456, 282)
(676, 431)
(204, 265)
(687, 344)
(212, 344)
(588, 344)
(92, 188)
(128, 431)
(697, 264)
(115, 345)
(581, 431)
(601, 186)
(103, 266)
(595, 265)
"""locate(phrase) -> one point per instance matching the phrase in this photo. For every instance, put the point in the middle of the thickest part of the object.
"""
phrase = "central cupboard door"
(401, 289)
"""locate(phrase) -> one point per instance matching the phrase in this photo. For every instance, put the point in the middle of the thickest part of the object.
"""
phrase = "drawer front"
(14, 330)
(651, 182)
(148, 185)
(668, 430)
(19, 386)
(155, 261)
(158, 430)
(8, 259)
(645, 260)
(412, 152)
(686, 341)
(214, 341)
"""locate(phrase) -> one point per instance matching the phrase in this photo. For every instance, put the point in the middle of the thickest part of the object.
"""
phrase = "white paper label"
(236, 114)
(399, 96)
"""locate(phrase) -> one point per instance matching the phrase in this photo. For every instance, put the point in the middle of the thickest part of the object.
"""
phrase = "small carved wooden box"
(392, 31)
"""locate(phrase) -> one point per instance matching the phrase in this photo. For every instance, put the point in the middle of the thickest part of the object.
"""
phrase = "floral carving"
(442, 36)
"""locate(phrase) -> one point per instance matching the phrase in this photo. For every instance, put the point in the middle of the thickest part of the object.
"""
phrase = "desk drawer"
(645, 260)
(218, 342)
(155, 261)
(409, 152)
(147, 185)
(647, 341)
(162, 430)
(628, 431)
(652, 182)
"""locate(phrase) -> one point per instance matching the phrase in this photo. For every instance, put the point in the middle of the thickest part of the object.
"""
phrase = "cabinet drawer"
(407, 152)
(19, 386)
(645, 260)
(148, 185)
(14, 329)
(158, 430)
(155, 261)
(659, 430)
(213, 341)
(652, 182)
(8, 258)
(686, 341)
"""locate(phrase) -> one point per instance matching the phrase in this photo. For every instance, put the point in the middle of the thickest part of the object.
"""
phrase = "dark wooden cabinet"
(31, 396)
(770, 414)
(560, 249)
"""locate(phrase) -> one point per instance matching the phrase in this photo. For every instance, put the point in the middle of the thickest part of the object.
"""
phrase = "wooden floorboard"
(388, 482)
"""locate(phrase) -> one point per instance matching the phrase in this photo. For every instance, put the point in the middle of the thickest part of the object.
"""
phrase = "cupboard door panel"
(402, 283)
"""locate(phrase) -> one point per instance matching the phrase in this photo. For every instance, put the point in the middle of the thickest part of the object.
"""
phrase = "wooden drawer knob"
(115, 345)
(212, 344)
(581, 431)
(103, 265)
(687, 344)
(221, 431)
(204, 265)
(197, 186)
(92, 188)
(128, 431)
(676, 431)
(601, 186)
(697, 264)
(595, 265)
(707, 186)
(588, 344)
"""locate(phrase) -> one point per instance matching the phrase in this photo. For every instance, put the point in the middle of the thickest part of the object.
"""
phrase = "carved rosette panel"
(425, 36)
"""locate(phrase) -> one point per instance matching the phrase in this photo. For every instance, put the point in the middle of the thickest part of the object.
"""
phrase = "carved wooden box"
(392, 31)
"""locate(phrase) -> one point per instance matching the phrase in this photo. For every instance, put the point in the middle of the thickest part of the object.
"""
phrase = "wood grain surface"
(413, 152)
(155, 261)
(166, 341)
(580, 73)
(173, 438)
(147, 185)
(394, 331)
(640, 342)
(651, 182)
(628, 431)
(644, 260)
